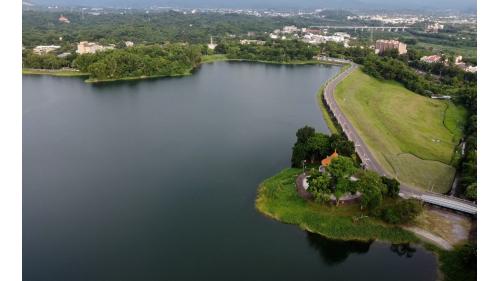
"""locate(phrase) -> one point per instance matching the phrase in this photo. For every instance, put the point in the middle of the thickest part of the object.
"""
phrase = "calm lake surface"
(156, 180)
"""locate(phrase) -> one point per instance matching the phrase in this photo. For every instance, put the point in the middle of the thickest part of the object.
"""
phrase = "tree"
(471, 191)
(392, 186)
(343, 146)
(320, 186)
(341, 168)
(310, 146)
(303, 134)
(318, 147)
(402, 212)
(300, 149)
(343, 186)
(372, 189)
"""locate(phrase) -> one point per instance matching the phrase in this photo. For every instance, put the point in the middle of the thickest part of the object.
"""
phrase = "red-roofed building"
(64, 19)
(325, 162)
(431, 59)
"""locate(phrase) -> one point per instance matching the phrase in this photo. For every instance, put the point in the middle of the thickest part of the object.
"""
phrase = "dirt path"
(430, 237)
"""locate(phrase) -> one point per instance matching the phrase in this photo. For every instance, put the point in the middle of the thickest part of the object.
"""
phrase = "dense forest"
(169, 60)
(43, 28)
(272, 51)
(47, 61)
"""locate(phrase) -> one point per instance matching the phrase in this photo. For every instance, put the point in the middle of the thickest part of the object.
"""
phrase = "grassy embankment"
(412, 136)
(324, 111)
(277, 198)
(53, 72)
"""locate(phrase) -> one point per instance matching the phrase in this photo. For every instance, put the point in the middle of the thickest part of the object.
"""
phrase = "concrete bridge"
(371, 163)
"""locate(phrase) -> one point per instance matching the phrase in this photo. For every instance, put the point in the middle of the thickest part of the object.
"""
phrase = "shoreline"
(205, 59)
(54, 72)
(340, 227)
(135, 78)
(278, 199)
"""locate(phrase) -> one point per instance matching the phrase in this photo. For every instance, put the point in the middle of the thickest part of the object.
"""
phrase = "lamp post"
(304, 166)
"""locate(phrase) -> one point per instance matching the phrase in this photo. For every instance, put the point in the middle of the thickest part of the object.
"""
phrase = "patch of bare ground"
(444, 228)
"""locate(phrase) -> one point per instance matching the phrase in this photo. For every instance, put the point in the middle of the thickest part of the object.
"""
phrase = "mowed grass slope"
(412, 136)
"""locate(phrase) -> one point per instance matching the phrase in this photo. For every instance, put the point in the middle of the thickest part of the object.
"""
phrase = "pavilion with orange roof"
(325, 162)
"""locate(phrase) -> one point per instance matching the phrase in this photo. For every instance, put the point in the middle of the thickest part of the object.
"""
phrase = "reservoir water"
(156, 180)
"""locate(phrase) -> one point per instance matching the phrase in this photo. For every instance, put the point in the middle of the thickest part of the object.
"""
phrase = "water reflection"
(336, 251)
(403, 250)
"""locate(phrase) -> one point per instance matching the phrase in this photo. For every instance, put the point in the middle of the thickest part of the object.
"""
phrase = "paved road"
(370, 162)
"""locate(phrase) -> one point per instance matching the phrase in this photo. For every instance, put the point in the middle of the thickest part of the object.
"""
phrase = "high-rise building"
(385, 45)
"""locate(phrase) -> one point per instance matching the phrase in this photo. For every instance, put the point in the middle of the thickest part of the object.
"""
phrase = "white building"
(249, 42)
(86, 47)
(211, 45)
(434, 28)
(471, 68)
(318, 39)
(290, 29)
(344, 35)
(63, 55)
(129, 44)
(273, 36)
(42, 50)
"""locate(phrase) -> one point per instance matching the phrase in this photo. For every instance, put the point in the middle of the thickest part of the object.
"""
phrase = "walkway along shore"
(371, 163)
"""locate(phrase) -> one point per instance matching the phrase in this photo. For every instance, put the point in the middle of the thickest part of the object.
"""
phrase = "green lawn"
(213, 58)
(278, 199)
(412, 136)
(436, 48)
(54, 72)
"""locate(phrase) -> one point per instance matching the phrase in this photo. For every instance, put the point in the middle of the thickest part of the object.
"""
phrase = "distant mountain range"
(285, 4)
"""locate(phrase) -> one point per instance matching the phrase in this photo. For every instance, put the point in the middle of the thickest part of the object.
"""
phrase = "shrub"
(392, 186)
(401, 212)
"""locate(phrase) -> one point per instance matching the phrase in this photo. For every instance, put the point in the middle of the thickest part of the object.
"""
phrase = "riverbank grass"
(54, 72)
(326, 115)
(223, 57)
(412, 136)
(324, 111)
(94, 80)
(213, 58)
(277, 198)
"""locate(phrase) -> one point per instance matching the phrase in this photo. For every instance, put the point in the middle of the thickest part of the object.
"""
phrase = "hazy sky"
(369, 4)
